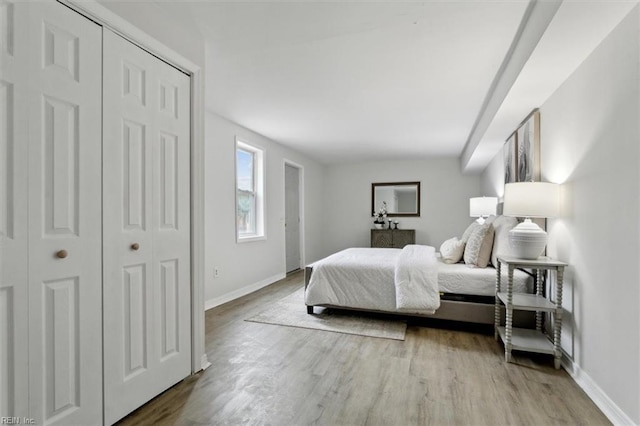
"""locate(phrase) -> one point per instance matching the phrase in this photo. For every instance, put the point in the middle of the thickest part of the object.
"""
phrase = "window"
(249, 192)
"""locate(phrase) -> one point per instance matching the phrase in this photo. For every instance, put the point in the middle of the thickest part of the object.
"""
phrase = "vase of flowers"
(380, 216)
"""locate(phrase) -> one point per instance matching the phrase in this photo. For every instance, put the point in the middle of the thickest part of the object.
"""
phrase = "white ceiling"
(365, 81)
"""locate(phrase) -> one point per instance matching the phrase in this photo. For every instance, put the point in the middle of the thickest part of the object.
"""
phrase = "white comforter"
(416, 279)
(365, 278)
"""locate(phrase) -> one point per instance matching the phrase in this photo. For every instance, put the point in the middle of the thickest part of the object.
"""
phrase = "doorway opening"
(293, 221)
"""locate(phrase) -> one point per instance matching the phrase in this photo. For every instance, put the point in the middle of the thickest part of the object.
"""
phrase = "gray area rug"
(292, 312)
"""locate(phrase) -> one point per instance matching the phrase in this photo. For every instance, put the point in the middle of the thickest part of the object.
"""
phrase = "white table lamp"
(482, 207)
(530, 199)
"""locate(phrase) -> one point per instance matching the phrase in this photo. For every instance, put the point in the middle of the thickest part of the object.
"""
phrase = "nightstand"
(525, 339)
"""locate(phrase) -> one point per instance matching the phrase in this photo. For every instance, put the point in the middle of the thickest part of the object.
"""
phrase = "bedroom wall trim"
(597, 395)
(228, 297)
(103, 16)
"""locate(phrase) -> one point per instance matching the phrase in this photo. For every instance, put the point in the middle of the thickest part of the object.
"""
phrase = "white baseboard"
(204, 362)
(217, 301)
(597, 395)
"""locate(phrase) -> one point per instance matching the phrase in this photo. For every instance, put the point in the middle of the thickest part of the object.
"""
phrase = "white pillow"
(452, 250)
(467, 232)
(502, 225)
(491, 219)
(478, 249)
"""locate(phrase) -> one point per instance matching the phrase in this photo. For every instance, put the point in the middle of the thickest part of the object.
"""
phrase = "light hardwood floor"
(265, 374)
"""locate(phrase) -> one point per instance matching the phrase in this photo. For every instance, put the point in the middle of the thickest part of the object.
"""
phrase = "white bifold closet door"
(146, 196)
(50, 214)
(14, 225)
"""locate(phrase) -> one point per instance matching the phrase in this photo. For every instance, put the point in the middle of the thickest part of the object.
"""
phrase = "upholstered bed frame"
(453, 307)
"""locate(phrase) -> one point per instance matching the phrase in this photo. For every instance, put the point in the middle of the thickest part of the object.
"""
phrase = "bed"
(367, 279)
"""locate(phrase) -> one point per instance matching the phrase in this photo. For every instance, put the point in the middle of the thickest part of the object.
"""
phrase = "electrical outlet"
(216, 272)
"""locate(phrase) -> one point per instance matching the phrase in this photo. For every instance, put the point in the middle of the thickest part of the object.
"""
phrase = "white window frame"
(259, 186)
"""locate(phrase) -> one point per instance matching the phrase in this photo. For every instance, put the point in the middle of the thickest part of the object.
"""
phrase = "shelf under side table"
(523, 339)
(528, 302)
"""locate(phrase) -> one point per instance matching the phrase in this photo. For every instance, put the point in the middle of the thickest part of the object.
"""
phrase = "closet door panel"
(128, 243)
(146, 226)
(65, 247)
(14, 355)
(172, 219)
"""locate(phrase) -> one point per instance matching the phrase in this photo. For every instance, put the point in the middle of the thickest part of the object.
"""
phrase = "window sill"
(251, 238)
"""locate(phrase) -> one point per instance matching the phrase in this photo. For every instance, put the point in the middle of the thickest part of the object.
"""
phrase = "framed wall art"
(528, 149)
(509, 151)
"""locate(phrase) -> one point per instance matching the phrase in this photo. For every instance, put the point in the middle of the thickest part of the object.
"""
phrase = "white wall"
(493, 178)
(445, 194)
(590, 142)
(247, 266)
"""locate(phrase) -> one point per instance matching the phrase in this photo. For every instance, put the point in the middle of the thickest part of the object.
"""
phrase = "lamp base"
(527, 240)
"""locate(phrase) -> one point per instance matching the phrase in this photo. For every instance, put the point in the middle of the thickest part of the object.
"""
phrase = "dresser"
(392, 238)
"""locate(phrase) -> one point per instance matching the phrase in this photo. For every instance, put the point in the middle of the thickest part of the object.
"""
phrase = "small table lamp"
(482, 207)
(530, 199)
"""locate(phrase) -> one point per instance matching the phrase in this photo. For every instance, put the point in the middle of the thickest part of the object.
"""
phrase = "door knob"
(62, 254)
(135, 246)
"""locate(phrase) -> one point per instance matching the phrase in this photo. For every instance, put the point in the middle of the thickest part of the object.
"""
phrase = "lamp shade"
(482, 206)
(531, 199)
